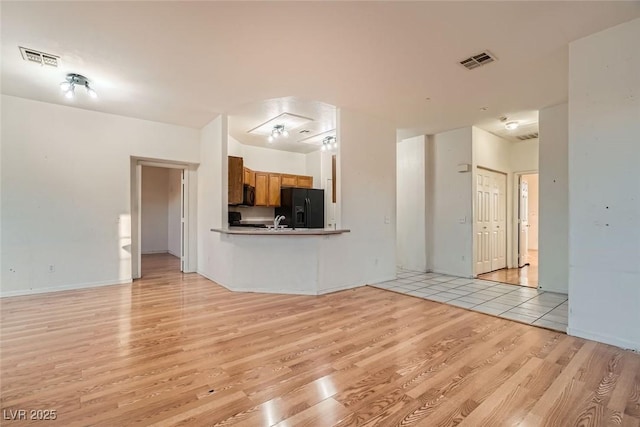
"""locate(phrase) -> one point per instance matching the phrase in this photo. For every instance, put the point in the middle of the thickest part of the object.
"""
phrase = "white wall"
(450, 195)
(174, 214)
(604, 186)
(214, 259)
(553, 235)
(267, 159)
(155, 210)
(313, 167)
(366, 195)
(524, 155)
(491, 151)
(411, 249)
(66, 192)
(533, 196)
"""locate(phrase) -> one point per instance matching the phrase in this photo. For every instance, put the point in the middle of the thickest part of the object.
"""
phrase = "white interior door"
(491, 221)
(498, 221)
(483, 222)
(523, 234)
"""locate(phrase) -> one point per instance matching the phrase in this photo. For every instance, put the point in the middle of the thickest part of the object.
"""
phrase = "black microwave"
(249, 195)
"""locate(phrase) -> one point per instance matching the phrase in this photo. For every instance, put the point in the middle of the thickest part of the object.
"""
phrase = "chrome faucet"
(276, 221)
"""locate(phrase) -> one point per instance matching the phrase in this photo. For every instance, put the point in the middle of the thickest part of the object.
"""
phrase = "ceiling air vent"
(478, 60)
(38, 57)
(533, 135)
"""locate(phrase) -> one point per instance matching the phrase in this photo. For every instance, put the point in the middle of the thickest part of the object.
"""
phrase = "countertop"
(282, 232)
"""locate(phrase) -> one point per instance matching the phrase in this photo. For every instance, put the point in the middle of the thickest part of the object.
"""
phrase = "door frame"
(515, 253)
(187, 208)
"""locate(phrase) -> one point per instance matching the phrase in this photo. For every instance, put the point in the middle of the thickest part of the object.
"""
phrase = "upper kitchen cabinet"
(298, 181)
(249, 177)
(274, 189)
(289, 180)
(304, 181)
(268, 189)
(262, 189)
(236, 180)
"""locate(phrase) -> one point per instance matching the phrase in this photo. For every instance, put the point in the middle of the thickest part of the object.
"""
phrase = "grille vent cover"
(527, 136)
(38, 57)
(475, 61)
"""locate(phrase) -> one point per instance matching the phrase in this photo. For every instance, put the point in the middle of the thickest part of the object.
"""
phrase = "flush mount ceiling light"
(288, 121)
(72, 80)
(277, 132)
(329, 143)
(509, 125)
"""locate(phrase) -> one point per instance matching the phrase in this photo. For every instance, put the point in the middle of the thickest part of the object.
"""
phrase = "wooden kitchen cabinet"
(249, 177)
(236, 181)
(304, 181)
(289, 180)
(275, 184)
(268, 189)
(262, 189)
(298, 181)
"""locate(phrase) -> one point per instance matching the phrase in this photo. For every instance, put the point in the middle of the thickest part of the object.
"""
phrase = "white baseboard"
(22, 292)
(285, 291)
(155, 252)
(618, 342)
(175, 255)
(344, 287)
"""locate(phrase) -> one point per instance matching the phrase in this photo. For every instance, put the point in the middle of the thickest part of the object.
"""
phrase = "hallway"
(524, 276)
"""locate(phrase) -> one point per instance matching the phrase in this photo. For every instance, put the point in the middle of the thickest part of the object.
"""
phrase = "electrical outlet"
(52, 268)
(387, 220)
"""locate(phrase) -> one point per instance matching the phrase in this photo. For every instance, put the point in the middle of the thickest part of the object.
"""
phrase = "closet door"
(490, 222)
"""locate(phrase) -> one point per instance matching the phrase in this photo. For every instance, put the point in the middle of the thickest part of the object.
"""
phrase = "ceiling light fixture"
(69, 85)
(511, 125)
(277, 131)
(329, 143)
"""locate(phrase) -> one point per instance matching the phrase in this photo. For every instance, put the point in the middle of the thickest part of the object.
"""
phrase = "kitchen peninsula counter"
(302, 261)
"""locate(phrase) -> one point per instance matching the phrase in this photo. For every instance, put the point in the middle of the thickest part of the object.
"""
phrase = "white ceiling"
(185, 62)
(247, 117)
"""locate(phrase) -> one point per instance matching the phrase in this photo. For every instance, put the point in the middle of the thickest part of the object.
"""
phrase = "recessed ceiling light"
(511, 125)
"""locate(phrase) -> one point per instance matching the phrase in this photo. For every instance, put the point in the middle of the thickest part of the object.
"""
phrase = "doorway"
(528, 226)
(525, 272)
(161, 217)
(160, 213)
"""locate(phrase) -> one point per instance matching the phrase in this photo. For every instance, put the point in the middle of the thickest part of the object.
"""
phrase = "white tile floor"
(524, 304)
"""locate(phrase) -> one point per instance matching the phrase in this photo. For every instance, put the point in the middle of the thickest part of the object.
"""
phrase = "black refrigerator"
(302, 207)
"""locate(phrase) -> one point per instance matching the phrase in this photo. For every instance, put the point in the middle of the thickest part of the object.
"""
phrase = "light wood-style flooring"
(178, 350)
(524, 276)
